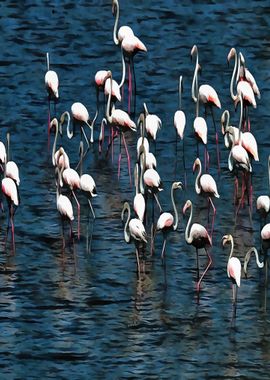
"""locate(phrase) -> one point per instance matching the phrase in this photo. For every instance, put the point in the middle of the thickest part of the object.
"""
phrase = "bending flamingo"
(247, 259)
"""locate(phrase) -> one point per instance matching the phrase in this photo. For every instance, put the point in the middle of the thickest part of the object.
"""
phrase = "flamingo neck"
(48, 61)
(195, 81)
(55, 123)
(136, 178)
(176, 218)
(126, 207)
(62, 120)
(142, 158)
(116, 5)
(240, 121)
(233, 78)
(123, 69)
(108, 116)
(180, 91)
(8, 147)
(269, 171)
(197, 181)
(187, 231)
(232, 248)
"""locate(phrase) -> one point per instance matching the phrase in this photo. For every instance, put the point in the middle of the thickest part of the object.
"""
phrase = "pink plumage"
(9, 189)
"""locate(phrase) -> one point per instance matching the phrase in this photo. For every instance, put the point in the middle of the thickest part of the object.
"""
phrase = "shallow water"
(84, 314)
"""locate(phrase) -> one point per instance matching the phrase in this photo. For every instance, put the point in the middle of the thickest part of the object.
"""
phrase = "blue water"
(83, 314)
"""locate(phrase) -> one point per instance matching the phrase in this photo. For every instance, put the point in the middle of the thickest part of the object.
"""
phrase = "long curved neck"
(233, 78)
(232, 248)
(126, 230)
(225, 121)
(197, 181)
(195, 80)
(116, 6)
(81, 148)
(8, 146)
(176, 218)
(187, 231)
(55, 123)
(136, 178)
(108, 116)
(62, 120)
(123, 69)
(142, 159)
(247, 258)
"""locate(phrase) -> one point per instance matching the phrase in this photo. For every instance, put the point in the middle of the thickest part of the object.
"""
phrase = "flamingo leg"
(184, 164)
(86, 139)
(12, 227)
(8, 226)
(134, 84)
(79, 213)
(214, 215)
(101, 139)
(156, 198)
(205, 271)
(163, 248)
(153, 234)
(63, 236)
(128, 158)
(91, 208)
(197, 263)
(138, 264)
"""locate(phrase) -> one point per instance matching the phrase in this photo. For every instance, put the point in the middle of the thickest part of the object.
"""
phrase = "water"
(84, 315)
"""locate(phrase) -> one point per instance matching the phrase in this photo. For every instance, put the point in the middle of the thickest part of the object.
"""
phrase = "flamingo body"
(239, 159)
(100, 77)
(64, 207)
(12, 171)
(137, 230)
(88, 184)
(180, 123)
(79, 112)
(3, 153)
(52, 83)
(121, 119)
(208, 95)
(165, 221)
(152, 125)
(263, 204)
(234, 270)
(139, 205)
(245, 89)
(115, 89)
(208, 185)
(71, 178)
(200, 128)
(152, 179)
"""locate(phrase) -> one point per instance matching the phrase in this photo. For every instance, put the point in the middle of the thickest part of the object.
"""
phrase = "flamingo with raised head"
(10, 190)
(233, 269)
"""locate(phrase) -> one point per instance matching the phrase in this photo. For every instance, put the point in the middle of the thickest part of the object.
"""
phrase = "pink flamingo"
(11, 168)
(64, 207)
(134, 229)
(138, 201)
(167, 221)
(209, 97)
(206, 185)
(180, 123)
(199, 124)
(81, 115)
(10, 190)
(197, 236)
(59, 157)
(130, 45)
(233, 269)
(120, 119)
(152, 124)
(52, 86)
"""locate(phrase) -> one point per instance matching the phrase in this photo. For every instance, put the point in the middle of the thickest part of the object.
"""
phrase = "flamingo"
(52, 86)
(167, 221)
(130, 45)
(206, 185)
(10, 190)
(180, 123)
(64, 207)
(197, 235)
(233, 269)
(121, 120)
(71, 179)
(199, 124)
(245, 74)
(134, 229)
(209, 97)
(59, 157)
(138, 201)
(87, 184)
(150, 159)
(80, 114)
(239, 158)
(247, 258)
(152, 124)
(243, 87)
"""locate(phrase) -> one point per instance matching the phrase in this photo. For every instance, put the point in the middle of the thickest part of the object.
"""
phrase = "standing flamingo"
(120, 119)
(167, 221)
(80, 114)
(197, 236)
(64, 207)
(130, 45)
(10, 190)
(209, 97)
(180, 123)
(138, 201)
(134, 229)
(152, 124)
(52, 86)
(233, 269)
(206, 185)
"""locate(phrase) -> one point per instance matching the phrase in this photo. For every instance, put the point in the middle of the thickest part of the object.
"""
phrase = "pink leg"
(12, 228)
(235, 190)
(119, 158)
(214, 215)
(205, 271)
(128, 158)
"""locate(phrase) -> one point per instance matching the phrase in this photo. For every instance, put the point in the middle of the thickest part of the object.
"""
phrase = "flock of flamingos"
(144, 225)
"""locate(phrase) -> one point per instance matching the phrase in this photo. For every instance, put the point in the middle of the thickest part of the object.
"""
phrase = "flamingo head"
(194, 50)
(197, 162)
(232, 53)
(114, 6)
(226, 239)
(186, 206)
(177, 185)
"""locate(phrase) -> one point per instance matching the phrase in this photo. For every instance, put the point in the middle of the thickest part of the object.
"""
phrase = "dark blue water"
(84, 315)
